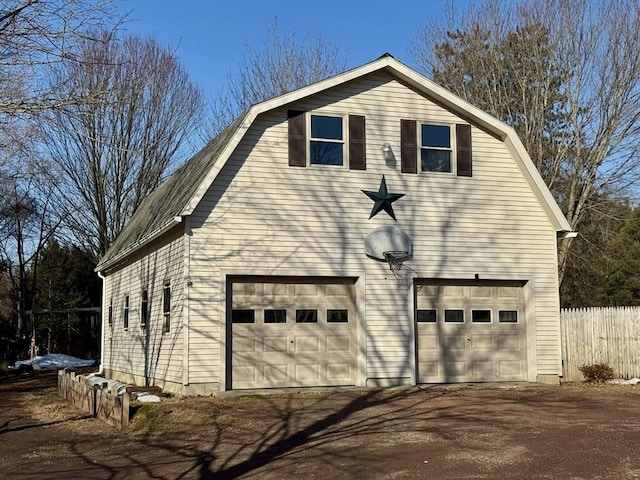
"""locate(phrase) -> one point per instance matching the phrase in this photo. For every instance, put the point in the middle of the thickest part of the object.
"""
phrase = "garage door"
(287, 334)
(470, 332)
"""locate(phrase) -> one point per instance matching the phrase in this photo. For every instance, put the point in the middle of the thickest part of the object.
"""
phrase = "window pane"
(454, 316)
(338, 316)
(508, 316)
(166, 298)
(436, 160)
(326, 153)
(306, 316)
(436, 136)
(243, 316)
(326, 127)
(275, 316)
(427, 316)
(481, 316)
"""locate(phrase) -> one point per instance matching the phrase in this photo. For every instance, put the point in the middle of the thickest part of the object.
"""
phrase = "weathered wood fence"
(95, 399)
(597, 335)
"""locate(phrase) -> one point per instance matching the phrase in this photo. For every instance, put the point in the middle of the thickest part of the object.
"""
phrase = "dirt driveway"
(568, 432)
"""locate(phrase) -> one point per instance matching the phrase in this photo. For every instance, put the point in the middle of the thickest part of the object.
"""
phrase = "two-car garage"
(303, 331)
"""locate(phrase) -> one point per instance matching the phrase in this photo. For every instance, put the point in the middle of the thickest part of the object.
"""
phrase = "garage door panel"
(428, 342)
(245, 374)
(509, 342)
(455, 370)
(510, 368)
(339, 372)
(336, 344)
(298, 329)
(454, 342)
(307, 374)
(275, 374)
(483, 369)
(275, 344)
(306, 344)
(245, 344)
(484, 345)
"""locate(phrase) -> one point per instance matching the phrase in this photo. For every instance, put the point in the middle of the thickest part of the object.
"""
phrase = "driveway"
(567, 432)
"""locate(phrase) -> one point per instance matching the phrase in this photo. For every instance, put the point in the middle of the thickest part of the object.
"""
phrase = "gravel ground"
(529, 432)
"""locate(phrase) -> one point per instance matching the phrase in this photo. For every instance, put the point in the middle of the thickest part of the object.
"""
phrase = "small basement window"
(326, 142)
(435, 148)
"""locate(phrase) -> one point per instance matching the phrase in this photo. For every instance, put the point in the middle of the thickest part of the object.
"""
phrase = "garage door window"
(454, 316)
(243, 316)
(427, 316)
(508, 316)
(481, 316)
(275, 316)
(337, 316)
(306, 316)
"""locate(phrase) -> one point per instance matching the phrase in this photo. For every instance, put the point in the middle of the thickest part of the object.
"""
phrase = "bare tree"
(573, 95)
(284, 62)
(114, 152)
(35, 34)
(27, 221)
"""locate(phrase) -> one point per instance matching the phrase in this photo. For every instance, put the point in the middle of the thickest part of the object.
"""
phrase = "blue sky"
(210, 36)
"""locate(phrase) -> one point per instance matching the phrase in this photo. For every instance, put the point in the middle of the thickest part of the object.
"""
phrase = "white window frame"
(452, 149)
(344, 142)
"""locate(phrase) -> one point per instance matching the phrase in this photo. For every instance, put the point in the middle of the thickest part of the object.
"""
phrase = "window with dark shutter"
(357, 143)
(408, 146)
(463, 150)
(297, 139)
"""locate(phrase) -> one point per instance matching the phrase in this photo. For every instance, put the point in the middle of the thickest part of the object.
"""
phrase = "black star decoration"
(383, 199)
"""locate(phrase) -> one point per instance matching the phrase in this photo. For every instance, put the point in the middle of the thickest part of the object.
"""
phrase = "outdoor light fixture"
(387, 152)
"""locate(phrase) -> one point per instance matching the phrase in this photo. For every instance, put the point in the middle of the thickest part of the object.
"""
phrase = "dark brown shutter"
(463, 150)
(357, 143)
(408, 146)
(297, 139)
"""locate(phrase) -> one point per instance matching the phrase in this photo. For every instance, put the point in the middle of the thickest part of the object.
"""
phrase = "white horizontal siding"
(262, 216)
(150, 353)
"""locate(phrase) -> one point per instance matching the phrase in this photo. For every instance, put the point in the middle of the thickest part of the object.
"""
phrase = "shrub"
(598, 372)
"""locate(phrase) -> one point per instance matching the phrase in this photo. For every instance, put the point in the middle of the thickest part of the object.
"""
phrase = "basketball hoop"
(395, 259)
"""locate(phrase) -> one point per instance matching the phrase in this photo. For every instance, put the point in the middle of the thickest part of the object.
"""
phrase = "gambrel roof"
(181, 193)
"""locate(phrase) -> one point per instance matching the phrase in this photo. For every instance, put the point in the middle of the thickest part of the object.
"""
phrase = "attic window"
(326, 142)
(316, 139)
(435, 148)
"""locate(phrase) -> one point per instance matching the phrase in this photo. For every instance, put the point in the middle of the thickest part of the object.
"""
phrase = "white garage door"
(293, 334)
(470, 332)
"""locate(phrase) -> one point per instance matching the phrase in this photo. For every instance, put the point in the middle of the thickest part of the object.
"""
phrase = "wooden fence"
(597, 335)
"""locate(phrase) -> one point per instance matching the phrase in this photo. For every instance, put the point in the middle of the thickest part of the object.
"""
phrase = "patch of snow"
(55, 361)
(619, 381)
(145, 397)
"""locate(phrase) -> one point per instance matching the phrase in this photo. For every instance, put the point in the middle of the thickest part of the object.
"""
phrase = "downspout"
(104, 300)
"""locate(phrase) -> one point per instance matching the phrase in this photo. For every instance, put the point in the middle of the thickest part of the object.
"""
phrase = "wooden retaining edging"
(96, 399)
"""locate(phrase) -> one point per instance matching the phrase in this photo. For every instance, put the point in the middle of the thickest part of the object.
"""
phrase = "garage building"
(371, 229)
